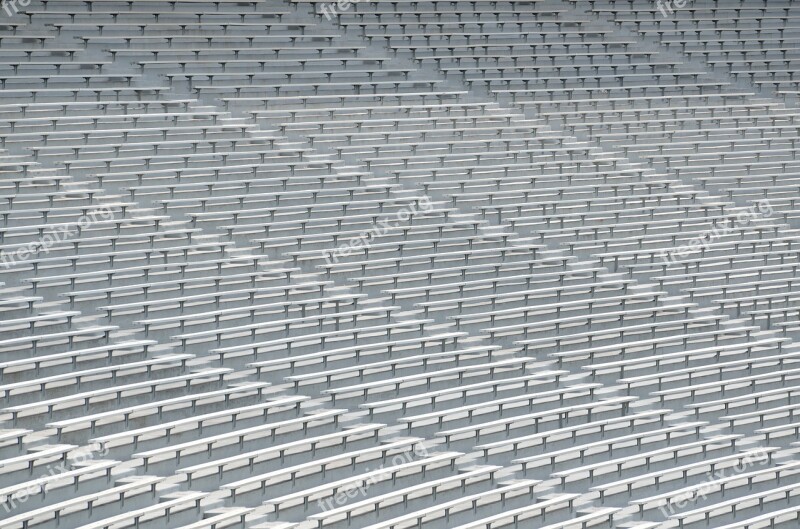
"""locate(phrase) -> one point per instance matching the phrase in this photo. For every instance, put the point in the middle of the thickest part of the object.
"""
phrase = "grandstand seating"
(404, 263)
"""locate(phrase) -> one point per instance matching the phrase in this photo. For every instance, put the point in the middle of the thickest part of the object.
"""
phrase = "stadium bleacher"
(277, 264)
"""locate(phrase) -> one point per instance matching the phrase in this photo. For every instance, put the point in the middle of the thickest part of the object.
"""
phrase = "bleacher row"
(427, 263)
